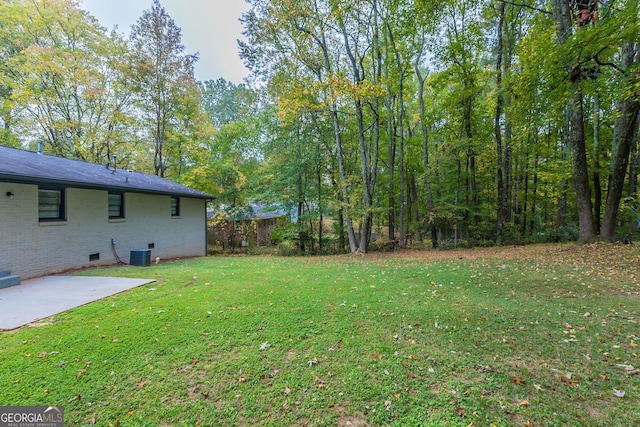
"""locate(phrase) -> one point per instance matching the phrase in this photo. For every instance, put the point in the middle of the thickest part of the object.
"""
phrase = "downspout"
(206, 228)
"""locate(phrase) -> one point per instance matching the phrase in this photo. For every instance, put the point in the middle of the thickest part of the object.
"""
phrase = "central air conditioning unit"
(140, 257)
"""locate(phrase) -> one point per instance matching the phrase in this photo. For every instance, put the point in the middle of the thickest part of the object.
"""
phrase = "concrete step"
(5, 273)
(7, 281)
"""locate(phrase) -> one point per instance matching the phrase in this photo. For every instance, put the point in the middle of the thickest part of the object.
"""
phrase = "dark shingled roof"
(22, 166)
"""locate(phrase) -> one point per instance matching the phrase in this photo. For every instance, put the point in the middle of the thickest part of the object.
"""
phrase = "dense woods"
(378, 123)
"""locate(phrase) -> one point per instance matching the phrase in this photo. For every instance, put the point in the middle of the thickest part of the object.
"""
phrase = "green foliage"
(628, 218)
(62, 81)
(305, 51)
(285, 233)
(161, 77)
(86, 94)
(393, 113)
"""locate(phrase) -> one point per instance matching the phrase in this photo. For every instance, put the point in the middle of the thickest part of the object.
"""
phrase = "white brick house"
(58, 214)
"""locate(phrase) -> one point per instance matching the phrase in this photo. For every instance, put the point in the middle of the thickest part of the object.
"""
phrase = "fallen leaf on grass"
(568, 380)
(264, 346)
(80, 372)
(184, 368)
(287, 390)
(319, 380)
(625, 367)
(412, 375)
(141, 383)
(524, 403)
(516, 380)
(619, 393)
(242, 380)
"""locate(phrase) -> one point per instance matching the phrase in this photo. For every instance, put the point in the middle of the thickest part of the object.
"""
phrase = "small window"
(175, 206)
(94, 257)
(116, 205)
(51, 205)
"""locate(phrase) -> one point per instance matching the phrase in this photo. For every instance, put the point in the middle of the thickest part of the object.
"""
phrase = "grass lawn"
(527, 336)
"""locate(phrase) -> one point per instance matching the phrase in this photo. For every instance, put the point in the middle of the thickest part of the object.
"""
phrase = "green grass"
(507, 337)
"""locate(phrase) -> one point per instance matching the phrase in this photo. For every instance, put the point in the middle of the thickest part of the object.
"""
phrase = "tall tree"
(627, 108)
(503, 208)
(162, 76)
(562, 13)
(62, 79)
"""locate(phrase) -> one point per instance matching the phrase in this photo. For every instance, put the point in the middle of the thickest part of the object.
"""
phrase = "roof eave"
(21, 179)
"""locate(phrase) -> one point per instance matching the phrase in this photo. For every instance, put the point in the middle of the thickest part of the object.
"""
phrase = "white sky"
(209, 27)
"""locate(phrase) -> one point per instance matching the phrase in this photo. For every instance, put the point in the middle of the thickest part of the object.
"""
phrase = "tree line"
(443, 123)
(88, 93)
(486, 122)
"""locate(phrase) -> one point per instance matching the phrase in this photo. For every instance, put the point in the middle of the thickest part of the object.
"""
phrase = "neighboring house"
(244, 226)
(58, 214)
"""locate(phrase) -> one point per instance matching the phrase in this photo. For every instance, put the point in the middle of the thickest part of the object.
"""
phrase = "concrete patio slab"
(39, 298)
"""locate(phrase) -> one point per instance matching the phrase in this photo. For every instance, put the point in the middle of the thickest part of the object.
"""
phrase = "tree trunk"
(625, 130)
(576, 135)
(472, 199)
(392, 163)
(597, 186)
(425, 143)
(534, 197)
(580, 169)
(401, 114)
(368, 160)
(416, 207)
(333, 112)
(503, 212)
(633, 166)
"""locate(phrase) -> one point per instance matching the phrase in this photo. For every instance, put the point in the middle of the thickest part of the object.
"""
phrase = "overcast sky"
(209, 27)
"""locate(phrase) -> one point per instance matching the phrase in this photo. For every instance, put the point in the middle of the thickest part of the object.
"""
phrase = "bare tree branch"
(527, 6)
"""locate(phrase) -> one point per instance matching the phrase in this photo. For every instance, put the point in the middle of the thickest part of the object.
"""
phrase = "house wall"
(264, 228)
(30, 248)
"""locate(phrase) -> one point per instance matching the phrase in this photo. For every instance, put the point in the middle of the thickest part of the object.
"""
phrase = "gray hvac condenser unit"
(140, 257)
